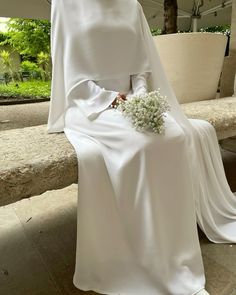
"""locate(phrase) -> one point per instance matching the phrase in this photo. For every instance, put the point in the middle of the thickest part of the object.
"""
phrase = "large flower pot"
(193, 63)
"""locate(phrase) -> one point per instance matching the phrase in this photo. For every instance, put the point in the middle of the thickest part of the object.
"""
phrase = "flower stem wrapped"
(146, 112)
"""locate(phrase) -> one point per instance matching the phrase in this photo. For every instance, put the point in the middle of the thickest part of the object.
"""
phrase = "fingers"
(121, 96)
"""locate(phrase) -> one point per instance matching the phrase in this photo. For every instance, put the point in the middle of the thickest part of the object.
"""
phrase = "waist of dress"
(122, 85)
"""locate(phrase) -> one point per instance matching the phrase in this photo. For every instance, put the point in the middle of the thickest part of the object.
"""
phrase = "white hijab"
(96, 40)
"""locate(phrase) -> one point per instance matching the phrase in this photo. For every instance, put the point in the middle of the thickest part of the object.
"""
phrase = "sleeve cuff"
(93, 108)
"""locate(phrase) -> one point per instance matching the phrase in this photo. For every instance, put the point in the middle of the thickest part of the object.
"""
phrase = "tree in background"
(170, 17)
(29, 37)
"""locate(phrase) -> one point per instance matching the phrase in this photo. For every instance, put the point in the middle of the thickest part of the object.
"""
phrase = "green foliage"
(43, 60)
(6, 60)
(3, 38)
(217, 29)
(29, 66)
(6, 64)
(156, 31)
(34, 89)
(29, 37)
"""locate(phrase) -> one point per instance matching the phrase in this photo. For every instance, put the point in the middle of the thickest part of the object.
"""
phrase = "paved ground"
(23, 115)
(37, 249)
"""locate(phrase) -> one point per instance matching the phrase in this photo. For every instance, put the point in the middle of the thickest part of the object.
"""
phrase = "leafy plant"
(217, 29)
(44, 64)
(33, 89)
(6, 60)
(31, 68)
(3, 38)
(156, 31)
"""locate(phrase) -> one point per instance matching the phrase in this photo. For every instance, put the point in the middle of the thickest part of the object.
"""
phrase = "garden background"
(25, 63)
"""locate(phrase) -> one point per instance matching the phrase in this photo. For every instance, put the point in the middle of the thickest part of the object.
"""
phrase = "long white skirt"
(136, 231)
(215, 203)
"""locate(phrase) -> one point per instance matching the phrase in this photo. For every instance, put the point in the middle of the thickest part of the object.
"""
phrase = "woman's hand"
(120, 97)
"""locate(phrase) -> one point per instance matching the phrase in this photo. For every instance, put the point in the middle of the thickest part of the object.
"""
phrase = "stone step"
(33, 161)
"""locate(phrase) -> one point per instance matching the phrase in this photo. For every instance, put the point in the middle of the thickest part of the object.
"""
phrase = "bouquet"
(146, 112)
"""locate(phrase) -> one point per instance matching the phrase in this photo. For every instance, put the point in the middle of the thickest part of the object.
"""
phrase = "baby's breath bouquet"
(146, 112)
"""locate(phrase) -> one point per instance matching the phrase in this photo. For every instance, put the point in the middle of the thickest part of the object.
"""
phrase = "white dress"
(137, 230)
(139, 193)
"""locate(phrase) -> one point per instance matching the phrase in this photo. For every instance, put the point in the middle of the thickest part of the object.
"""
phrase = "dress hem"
(105, 293)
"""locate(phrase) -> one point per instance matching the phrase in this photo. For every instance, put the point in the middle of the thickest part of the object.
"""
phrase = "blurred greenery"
(30, 68)
(217, 29)
(27, 36)
(31, 39)
(3, 37)
(43, 61)
(34, 89)
(6, 61)
(156, 31)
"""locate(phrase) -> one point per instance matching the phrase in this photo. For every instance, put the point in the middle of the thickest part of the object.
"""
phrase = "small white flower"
(146, 111)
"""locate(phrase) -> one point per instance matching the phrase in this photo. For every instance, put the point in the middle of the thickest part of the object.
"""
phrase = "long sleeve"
(139, 83)
(92, 99)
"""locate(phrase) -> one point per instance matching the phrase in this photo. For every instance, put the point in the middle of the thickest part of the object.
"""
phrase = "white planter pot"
(193, 63)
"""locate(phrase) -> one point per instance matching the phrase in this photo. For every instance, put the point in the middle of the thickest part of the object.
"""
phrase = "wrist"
(121, 98)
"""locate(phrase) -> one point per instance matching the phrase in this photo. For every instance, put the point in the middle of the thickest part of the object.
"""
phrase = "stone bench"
(33, 161)
(221, 113)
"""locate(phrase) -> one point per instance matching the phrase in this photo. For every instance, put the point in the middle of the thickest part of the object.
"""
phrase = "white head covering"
(96, 40)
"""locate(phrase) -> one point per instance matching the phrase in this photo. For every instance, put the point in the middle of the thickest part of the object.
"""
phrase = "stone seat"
(221, 113)
(33, 161)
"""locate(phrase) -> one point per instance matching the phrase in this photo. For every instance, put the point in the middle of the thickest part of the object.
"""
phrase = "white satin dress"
(136, 230)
